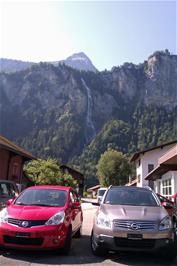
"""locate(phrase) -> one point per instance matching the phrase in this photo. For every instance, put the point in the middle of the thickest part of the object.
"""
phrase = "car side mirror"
(9, 202)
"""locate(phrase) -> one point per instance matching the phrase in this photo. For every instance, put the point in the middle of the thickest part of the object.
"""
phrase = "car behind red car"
(171, 208)
(42, 217)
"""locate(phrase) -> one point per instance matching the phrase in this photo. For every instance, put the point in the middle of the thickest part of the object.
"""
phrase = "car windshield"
(119, 196)
(42, 197)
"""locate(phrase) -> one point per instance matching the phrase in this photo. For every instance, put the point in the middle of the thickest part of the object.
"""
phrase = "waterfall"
(89, 123)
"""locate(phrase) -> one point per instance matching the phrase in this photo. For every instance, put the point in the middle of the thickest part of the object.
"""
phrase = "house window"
(150, 167)
(139, 162)
(166, 188)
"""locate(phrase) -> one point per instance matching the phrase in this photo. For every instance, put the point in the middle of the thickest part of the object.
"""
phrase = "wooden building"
(12, 159)
(76, 175)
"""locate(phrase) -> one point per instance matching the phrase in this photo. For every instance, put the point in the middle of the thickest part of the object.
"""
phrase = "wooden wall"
(10, 166)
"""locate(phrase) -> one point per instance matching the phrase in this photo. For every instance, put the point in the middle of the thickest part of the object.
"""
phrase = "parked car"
(174, 198)
(132, 219)
(42, 217)
(8, 190)
(100, 193)
(171, 208)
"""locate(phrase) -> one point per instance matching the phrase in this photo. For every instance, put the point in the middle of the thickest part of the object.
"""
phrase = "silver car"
(132, 218)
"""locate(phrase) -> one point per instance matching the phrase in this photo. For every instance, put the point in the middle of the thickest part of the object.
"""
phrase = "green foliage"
(113, 168)
(47, 172)
(85, 194)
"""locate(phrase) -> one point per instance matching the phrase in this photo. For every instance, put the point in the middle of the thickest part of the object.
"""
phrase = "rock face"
(58, 111)
(161, 79)
(9, 65)
(79, 61)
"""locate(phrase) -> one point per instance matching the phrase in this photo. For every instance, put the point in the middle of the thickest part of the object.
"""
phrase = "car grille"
(134, 225)
(29, 224)
(132, 243)
(23, 241)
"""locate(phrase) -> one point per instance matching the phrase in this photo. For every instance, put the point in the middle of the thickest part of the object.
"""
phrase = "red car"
(42, 217)
(170, 206)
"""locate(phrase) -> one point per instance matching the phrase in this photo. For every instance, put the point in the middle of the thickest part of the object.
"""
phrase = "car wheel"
(78, 233)
(96, 249)
(67, 245)
(169, 253)
(174, 224)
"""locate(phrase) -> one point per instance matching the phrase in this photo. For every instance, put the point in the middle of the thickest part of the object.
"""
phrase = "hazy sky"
(110, 33)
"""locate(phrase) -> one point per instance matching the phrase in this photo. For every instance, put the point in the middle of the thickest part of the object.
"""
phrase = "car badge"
(134, 226)
(25, 224)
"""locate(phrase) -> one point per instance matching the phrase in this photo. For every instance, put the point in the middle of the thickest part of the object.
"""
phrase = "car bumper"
(39, 237)
(129, 241)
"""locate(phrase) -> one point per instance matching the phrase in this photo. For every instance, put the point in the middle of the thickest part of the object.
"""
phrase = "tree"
(47, 172)
(113, 168)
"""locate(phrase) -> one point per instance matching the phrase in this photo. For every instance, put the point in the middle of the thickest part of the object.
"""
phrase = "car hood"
(126, 212)
(32, 212)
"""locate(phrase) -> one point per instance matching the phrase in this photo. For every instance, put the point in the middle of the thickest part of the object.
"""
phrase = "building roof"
(10, 146)
(167, 162)
(72, 171)
(137, 154)
(93, 188)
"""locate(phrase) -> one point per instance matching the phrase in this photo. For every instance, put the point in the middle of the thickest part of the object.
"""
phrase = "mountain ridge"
(79, 61)
(75, 116)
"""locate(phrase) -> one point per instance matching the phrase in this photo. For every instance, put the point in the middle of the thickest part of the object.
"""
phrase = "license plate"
(135, 236)
(23, 234)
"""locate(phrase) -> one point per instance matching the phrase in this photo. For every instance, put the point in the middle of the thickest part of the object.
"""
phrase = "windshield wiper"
(39, 204)
(21, 203)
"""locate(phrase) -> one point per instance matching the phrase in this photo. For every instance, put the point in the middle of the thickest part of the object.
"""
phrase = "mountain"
(77, 61)
(80, 61)
(74, 116)
(9, 65)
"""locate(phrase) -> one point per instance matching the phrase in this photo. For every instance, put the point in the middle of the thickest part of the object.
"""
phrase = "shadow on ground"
(80, 255)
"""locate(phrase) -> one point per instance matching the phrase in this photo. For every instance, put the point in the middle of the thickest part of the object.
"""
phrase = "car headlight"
(103, 220)
(165, 224)
(4, 215)
(56, 219)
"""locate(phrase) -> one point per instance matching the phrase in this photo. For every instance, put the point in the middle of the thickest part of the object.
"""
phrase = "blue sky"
(110, 33)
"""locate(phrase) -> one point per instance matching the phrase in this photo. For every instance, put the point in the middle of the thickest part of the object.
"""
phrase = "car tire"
(169, 253)
(67, 245)
(96, 249)
(174, 224)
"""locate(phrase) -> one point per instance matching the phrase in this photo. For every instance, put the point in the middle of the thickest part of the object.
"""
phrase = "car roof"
(51, 187)
(7, 181)
(131, 188)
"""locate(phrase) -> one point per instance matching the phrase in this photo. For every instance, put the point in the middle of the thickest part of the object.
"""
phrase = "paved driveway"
(80, 253)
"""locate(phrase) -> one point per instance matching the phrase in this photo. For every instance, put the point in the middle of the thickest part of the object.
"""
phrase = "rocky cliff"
(75, 115)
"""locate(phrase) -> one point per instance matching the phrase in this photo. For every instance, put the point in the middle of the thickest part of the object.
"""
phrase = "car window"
(130, 197)
(101, 192)
(4, 190)
(43, 197)
(7, 190)
(73, 197)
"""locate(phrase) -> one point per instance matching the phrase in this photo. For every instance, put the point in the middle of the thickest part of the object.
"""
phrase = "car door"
(76, 211)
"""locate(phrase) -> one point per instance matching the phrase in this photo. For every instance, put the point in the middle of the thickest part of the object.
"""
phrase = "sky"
(110, 33)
